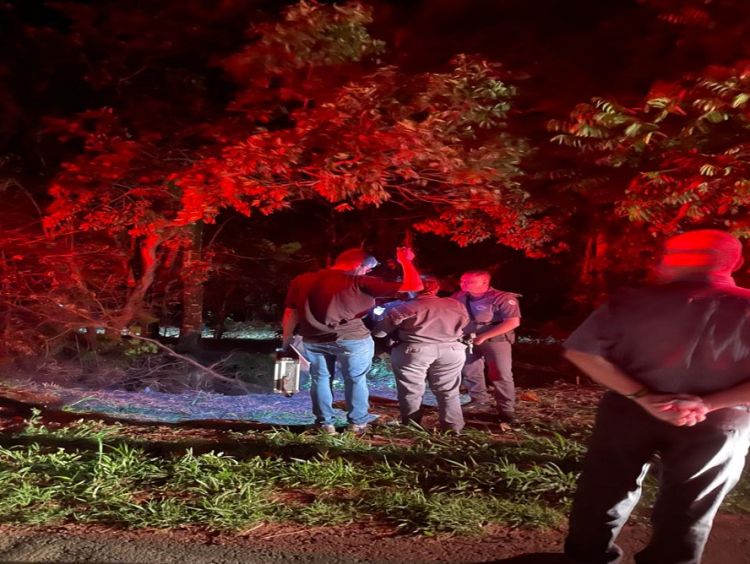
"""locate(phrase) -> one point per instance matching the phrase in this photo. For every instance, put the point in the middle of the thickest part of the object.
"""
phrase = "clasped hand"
(678, 409)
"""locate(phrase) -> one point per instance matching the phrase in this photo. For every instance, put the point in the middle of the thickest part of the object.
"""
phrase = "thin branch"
(187, 359)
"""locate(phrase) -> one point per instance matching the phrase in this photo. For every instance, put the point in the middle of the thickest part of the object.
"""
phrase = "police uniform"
(688, 336)
(486, 311)
(428, 332)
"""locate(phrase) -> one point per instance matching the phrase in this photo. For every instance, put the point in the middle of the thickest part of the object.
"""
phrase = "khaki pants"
(439, 365)
(496, 356)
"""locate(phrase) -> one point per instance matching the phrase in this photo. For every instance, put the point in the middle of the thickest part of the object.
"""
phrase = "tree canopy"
(163, 123)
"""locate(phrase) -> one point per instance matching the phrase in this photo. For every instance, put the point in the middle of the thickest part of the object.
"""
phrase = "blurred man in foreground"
(676, 358)
(328, 307)
(428, 350)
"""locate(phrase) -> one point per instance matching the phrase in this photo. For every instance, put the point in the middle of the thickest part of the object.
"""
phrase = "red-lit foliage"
(315, 117)
(637, 168)
(434, 143)
(682, 151)
(209, 118)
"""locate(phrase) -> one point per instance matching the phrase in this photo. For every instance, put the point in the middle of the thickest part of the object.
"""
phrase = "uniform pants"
(438, 364)
(698, 466)
(496, 356)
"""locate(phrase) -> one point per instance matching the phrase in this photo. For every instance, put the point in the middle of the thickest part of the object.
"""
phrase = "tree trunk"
(587, 266)
(594, 260)
(5, 326)
(192, 292)
(220, 315)
(592, 282)
(134, 305)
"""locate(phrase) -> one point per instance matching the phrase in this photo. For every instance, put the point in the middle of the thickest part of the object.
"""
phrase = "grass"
(420, 483)
(90, 472)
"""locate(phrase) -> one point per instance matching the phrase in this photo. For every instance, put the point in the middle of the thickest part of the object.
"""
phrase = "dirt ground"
(729, 544)
(357, 543)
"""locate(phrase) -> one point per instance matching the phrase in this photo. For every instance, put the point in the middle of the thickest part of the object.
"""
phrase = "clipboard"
(304, 364)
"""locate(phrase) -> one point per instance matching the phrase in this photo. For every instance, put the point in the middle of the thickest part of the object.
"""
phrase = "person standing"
(493, 317)
(328, 307)
(675, 356)
(428, 349)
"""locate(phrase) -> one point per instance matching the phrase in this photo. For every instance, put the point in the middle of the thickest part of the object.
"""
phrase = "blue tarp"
(269, 408)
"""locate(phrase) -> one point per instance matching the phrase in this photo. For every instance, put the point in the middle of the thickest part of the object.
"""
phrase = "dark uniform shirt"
(331, 303)
(689, 336)
(425, 319)
(491, 308)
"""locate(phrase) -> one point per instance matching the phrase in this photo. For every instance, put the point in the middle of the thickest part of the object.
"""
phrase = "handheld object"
(469, 340)
(286, 373)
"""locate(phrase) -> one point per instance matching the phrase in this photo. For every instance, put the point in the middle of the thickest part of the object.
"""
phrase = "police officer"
(428, 332)
(676, 358)
(494, 315)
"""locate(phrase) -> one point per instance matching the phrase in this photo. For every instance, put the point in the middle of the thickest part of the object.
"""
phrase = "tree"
(122, 185)
(640, 167)
(435, 143)
(683, 149)
(315, 117)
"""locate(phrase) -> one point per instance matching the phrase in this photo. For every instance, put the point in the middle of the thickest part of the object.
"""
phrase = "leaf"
(740, 100)
(633, 129)
(291, 248)
(716, 116)
(659, 103)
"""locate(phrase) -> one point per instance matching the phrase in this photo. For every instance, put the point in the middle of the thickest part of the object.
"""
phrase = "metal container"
(286, 376)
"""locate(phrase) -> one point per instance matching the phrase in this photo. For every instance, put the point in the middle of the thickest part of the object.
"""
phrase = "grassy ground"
(419, 482)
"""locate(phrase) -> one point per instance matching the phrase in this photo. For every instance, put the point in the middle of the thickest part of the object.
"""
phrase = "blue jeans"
(354, 359)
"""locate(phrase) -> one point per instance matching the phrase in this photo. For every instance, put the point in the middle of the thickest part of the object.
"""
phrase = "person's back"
(430, 319)
(333, 303)
(428, 350)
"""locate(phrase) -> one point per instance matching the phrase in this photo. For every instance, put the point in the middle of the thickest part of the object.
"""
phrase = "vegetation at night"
(90, 472)
(418, 482)
(278, 123)
(166, 168)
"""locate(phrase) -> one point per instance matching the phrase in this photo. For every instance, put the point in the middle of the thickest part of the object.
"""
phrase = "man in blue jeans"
(327, 307)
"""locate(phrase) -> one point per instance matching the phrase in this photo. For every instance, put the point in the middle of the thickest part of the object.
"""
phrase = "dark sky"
(590, 44)
(561, 51)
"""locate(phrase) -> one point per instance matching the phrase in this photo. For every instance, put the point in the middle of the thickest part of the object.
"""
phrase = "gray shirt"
(491, 308)
(331, 304)
(689, 336)
(425, 319)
